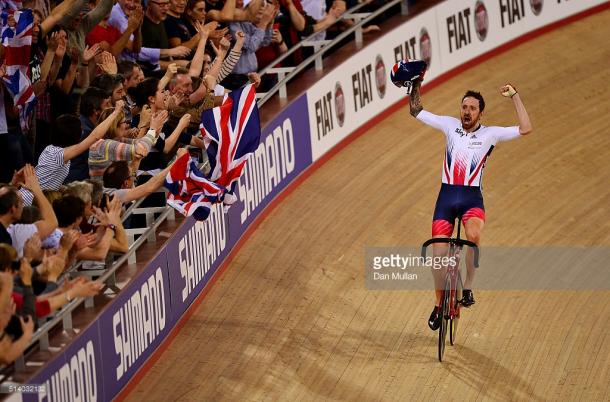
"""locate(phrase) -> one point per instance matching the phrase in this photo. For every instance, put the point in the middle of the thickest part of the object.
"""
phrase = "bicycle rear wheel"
(442, 331)
(453, 325)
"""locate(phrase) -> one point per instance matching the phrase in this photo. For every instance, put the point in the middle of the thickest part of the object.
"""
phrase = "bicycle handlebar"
(460, 242)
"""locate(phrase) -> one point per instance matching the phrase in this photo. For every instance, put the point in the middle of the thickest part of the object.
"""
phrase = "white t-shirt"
(466, 153)
(21, 233)
(51, 171)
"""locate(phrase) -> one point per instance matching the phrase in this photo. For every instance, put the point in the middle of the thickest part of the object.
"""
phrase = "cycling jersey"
(466, 153)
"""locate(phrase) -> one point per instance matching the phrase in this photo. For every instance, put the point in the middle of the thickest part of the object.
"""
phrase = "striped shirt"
(51, 172)
(228, 64)
(105, 151)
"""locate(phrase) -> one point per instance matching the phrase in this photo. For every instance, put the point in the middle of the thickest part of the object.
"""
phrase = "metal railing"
(285, 74)
(64, 315)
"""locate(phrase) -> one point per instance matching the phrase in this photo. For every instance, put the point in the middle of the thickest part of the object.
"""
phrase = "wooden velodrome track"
(291, 319)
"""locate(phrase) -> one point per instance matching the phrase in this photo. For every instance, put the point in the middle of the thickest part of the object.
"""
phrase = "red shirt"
(101, 34)
(43, 308)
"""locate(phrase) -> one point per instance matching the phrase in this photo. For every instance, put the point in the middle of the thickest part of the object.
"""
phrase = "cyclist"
(468, 145)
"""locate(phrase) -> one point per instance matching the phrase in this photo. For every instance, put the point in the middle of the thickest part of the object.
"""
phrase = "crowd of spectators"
(119, 89)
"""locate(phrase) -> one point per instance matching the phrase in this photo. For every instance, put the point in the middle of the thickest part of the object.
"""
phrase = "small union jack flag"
(17, 42)
(231, 133)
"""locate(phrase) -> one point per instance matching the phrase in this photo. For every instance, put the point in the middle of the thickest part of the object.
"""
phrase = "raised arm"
(48, 223)
(525, 125)
(98, 133)
(173, 138)
(415, 99)
(62, 9)
(151, 185)
(96, 15)
(197, 62)
(133, 25)
(172, 69)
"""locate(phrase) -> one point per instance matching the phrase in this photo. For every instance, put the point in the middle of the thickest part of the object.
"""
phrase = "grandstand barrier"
(451, 36)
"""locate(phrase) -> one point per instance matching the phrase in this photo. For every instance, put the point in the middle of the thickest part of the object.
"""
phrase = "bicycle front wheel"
(453, 325)
(442, 331)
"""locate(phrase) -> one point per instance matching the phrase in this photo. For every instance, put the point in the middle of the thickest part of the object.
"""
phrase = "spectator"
(78, 22)
(119, 180)
(92, 103)
(149, 58)
(115, 145)
(176, 26)
(84, 191)
(114, 41)
(54, 162)
(256, 35)
(70, 211)
(14, 339)
(11, 208)
(112, 84)
(132, 75)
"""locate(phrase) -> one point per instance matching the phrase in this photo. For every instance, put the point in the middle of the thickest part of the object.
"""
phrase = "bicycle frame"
(453, 284)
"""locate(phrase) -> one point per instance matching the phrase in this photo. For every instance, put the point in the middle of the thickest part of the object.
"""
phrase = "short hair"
(107, 82)
(8, 254)
(190, 5)
(8, 199)
(80, 189)
(125, 68)
(116, 174)
(477, 96)
(67, 131)
(144, 90)
(91, 101)
(68, 209)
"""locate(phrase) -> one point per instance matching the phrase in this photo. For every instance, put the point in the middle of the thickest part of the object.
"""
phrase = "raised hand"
(53, 41)
(90, 52)
(101, 217)
(174, 101)
(30, 180)
(113, 211)
(86, 289)
(85, 240)
(62, 45)
(179, 51)
(508, 91)
(224, 44)
(158, 120)
(119, 106)
(68, 239)
(108, 63)
(18, 178)
(172, 69)
(255, 79)
(216, 34)
(32, 247)
(135, 19)
(184, 121)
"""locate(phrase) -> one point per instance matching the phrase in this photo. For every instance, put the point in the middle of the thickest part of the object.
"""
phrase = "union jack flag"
(231, 133)
(17, 42)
